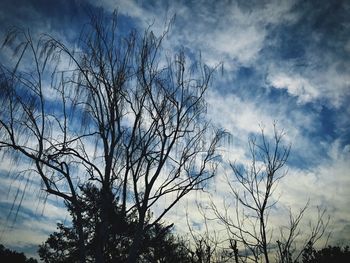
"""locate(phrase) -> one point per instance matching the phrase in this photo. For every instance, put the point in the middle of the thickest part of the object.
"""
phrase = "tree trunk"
(135, 247)
(81, 245)
(235, 250)
(102, 231)
(263, 236)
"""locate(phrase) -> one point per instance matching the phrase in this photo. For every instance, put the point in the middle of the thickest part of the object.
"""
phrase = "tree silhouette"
(8, 255)
(158, 243)
(327, 254)
(116, 111)
(252, 190)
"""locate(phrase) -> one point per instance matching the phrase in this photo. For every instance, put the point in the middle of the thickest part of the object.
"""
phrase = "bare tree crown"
(117, 111)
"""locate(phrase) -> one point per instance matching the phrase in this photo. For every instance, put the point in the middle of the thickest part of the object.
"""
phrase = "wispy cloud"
(284, 61)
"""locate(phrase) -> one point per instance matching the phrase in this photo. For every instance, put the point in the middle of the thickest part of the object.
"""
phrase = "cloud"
(309, 57)
(296, 86)
(35, 219)
(325, 185)
(222, 32)
(329, 85)
(284, 61)
(228, 33)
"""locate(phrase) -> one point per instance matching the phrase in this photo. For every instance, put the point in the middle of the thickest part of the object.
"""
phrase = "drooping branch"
(122, 114)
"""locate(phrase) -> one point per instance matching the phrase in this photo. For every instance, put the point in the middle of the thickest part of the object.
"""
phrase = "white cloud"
(236, 35)
(334, 83)
(328, 84)
(222, 32)
(238, 116)
(36, 218)
(296, 86)
(325, 185)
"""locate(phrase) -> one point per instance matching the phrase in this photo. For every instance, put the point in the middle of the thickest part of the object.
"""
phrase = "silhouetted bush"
(328, 254)
(10, 256)
(158, 244)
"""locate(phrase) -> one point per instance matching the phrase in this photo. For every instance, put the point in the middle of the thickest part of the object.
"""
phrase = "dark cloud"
(40, 16)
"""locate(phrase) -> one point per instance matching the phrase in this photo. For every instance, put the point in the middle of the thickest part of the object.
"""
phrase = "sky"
(284, 62)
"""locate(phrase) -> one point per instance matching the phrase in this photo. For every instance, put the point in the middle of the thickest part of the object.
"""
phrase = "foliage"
(158, 243)
(7, 255)
(325, 255)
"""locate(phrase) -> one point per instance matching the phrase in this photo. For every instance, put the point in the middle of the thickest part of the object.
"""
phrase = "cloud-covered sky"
(283, 61)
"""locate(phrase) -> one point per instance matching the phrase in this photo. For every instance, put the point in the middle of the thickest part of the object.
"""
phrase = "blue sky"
(283, 61)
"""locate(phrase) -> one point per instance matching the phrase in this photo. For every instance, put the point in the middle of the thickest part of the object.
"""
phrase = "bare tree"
(287, 251)
(207, 245)
(30, 132)
(203, 247)
(252, 190)
(121, 114)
